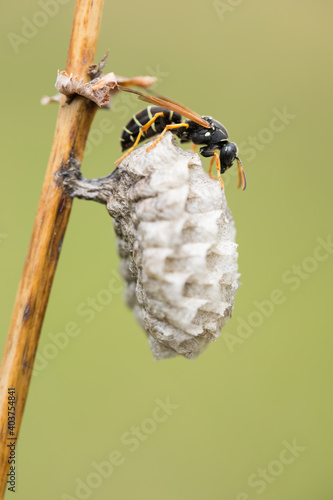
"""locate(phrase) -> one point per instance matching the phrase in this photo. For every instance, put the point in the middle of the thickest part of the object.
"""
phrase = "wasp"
(164, 114)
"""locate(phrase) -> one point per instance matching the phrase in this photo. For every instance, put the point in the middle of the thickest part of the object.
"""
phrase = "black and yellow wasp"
(165, 114)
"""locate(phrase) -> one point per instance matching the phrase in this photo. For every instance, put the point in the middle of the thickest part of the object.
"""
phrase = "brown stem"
(74, 121)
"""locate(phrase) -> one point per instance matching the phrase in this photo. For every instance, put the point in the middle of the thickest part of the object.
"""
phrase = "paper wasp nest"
(176, 239)
(177, 244)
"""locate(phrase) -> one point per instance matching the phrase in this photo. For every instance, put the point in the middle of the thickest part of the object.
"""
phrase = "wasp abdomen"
(132, 129)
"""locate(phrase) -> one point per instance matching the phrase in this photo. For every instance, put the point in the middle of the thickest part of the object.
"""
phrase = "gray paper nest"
(176, 239)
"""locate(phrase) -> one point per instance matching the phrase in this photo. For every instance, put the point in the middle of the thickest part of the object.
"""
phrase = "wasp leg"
(210, 168)
(194, 148)
(168, 127)
(218, 165)
(143, 129)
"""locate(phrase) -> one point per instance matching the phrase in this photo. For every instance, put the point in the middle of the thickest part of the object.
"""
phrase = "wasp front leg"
(210, 168)
(207, 152)
(218, 168)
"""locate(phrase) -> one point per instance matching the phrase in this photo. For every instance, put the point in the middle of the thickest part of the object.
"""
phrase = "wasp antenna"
(241, 175)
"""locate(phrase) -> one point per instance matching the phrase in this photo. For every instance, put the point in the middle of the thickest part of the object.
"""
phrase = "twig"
(74, 121)
(95, 70)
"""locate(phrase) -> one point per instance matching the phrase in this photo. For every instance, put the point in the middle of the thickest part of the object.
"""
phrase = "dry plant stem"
(95, 70)
(72, 128)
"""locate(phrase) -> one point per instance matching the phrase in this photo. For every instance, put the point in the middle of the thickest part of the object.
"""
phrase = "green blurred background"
(266, 384)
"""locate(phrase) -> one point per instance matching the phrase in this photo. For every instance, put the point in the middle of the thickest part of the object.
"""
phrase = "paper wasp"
(165, 114)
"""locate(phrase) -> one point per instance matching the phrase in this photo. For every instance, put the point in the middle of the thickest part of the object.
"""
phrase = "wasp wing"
(137, 81)
(164, 102)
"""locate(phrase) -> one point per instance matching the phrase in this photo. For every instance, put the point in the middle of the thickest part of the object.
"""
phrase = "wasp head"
(228, 155)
